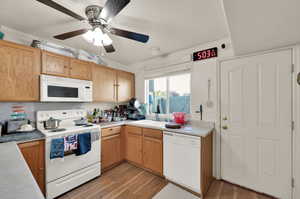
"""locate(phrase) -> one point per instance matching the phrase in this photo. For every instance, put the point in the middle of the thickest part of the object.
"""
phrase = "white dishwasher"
(182, 160)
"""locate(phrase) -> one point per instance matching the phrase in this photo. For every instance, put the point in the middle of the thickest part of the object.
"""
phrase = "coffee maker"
(136, 111)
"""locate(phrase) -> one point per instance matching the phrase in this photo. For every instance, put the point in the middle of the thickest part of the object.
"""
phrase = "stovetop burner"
(57, 130)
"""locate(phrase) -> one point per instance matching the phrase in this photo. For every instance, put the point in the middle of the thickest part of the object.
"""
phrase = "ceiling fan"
(99, 19)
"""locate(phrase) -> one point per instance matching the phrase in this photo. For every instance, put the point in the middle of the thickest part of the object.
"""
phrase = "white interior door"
(256, 115)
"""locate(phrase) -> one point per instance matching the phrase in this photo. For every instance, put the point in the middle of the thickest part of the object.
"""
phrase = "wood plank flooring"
(224, 190)
(129, 182)
(122, 182)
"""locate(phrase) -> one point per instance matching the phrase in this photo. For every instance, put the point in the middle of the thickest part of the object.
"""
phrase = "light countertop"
(22, 137)
(16, 178)
(194, 128)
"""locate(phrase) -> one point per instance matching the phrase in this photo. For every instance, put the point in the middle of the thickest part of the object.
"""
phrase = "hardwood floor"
(122, 182)
(224, 190)
(129, 182)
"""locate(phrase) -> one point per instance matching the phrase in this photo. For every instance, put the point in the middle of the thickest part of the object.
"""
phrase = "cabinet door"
(34, 154)
(54, 64)
(134, 141)
(110, 131)
(125, 86)
(123, 143)
(153, 154)
(111, 150)
(19, 72)
(81, 69)
(104, 84)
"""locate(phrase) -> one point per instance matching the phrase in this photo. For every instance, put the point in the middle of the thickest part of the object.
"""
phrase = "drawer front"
(111, 131)
(134, 130)
(153, 133)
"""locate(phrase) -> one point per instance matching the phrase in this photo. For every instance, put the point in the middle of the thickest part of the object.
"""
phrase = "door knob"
(225, 127)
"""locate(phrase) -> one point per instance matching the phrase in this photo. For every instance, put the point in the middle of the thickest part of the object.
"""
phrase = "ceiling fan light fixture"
(99, 19)
(88, 36)
(94, 36)
(106, 40)
(98, 41)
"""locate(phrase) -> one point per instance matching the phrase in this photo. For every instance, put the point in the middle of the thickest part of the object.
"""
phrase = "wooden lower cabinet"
(34, 155)
(153, 154)
(144, 147)
(111, 145)
(111, 150)
(134, 144)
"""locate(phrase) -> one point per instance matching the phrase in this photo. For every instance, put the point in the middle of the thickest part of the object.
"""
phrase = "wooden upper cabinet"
(104, 84)
(54, 64)
(125, 86)
(19, 72)
(81, 69)
(34, 155)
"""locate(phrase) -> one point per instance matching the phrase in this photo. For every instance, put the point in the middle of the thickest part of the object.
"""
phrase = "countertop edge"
(21, 183)
(206, 130)
(36, 135)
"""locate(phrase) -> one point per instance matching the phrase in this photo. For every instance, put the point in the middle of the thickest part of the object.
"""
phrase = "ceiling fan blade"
(62, 9)
(71, 34)
(109, 48)
(112, 8)
(130, 35)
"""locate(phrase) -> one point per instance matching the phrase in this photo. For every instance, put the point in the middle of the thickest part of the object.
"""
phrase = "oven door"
(62, 167)
(56, 89)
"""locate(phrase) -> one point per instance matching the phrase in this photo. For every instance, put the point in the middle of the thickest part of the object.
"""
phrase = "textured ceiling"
(258, 25)
(171, 24)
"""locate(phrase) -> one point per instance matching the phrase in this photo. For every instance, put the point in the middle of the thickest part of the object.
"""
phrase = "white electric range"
(64, 174)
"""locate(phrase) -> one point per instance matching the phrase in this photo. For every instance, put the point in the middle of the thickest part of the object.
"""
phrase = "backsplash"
(32, 107)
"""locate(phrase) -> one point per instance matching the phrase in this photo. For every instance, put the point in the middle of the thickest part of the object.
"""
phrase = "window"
(170, 94)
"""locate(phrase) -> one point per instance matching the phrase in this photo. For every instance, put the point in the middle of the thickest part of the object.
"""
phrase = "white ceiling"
(257, 25)
(171, 24)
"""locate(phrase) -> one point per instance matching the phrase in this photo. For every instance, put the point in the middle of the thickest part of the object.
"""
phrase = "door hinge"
(293, 68)
(293, 125)
(293, 182)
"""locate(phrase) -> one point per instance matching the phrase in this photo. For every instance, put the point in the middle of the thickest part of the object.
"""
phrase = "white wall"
(258, 25)
(26, 39)
(201, 71)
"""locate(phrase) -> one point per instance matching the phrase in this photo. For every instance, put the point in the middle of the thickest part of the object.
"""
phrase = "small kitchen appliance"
(60, 89)
(71, 170)
(135, 111)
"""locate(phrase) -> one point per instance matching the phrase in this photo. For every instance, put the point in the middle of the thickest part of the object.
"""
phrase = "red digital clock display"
(205, 54)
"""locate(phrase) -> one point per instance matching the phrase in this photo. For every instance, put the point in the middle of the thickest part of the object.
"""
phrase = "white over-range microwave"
(60, 89)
